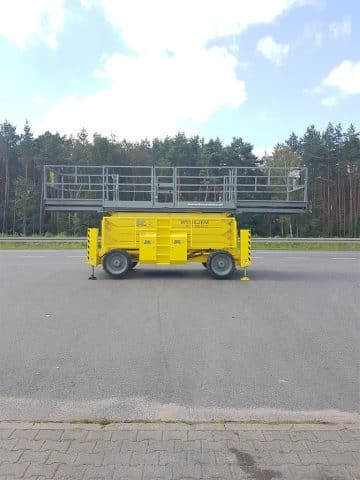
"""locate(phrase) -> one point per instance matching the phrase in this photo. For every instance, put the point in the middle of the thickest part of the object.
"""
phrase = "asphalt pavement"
(173, 343)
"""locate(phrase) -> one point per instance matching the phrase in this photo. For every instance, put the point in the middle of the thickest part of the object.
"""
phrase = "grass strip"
(108, 421)
(42, 245)
(49, 245)
(331, 246)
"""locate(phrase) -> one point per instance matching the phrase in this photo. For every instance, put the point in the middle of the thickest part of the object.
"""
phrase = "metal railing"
(148, 187)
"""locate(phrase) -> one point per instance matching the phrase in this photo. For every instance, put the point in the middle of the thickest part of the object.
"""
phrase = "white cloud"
(153, 95)
(317, 32)
(340, 29)
(329, 101)
(345, 78)
(176, 77)
(312, 33)
(342, 80)
(186, 25)
(88, 4)
(261, 152)
(27, 22)
(273, 51)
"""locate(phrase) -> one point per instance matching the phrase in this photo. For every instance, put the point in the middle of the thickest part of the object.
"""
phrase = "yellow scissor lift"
(168, 215)
(169, 238)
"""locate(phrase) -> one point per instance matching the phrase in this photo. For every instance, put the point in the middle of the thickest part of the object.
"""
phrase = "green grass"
(331, 246)
(99, 421)
(50, 245)
(42, 245)
(108, 421)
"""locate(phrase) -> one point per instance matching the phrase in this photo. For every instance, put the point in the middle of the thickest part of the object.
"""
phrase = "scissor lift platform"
(172, 215)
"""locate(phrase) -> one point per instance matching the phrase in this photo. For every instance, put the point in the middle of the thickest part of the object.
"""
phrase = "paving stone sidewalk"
(179, 451)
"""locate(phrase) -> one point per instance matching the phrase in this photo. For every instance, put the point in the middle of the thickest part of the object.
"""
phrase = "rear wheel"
(221, 264)
(117, 263)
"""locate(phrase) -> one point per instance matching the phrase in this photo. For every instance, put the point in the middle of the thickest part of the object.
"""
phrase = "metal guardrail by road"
(305, 240)
(254, 240)
(42, 239)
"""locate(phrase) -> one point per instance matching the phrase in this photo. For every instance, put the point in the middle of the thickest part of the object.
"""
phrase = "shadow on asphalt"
(168, 274)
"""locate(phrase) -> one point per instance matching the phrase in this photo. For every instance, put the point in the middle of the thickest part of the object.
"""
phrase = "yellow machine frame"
(169, 238)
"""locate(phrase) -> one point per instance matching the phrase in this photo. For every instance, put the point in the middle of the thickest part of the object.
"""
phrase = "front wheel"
(117, 263)
(221, 264)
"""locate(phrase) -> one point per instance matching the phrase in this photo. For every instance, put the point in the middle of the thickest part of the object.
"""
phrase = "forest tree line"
(332, 157)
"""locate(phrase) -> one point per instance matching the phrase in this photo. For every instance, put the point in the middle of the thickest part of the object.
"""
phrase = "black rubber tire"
(117, 258)
(133, 265)
(221, 264)
(204, 264)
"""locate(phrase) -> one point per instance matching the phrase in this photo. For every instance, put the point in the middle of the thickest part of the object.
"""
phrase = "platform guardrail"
(140, 188)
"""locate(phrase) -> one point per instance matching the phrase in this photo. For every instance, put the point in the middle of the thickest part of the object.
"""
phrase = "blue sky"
(143, 68)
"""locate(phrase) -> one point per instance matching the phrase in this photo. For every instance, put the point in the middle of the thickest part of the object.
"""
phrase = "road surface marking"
(344, 258)
(301, 258)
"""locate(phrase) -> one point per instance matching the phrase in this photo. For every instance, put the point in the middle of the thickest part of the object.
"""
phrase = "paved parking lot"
(178, 451)
(175, 343)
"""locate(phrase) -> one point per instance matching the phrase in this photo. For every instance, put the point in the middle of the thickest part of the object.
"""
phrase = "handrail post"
(45, 182)
(152, 185)
(103, 184)
(287, 172)
(174, 186)
(107, 183)
(235, 185)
